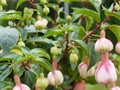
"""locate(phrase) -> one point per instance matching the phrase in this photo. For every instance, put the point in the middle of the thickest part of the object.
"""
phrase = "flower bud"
(117, 48)
(103, 45)
(41, 23)
(3, 2)
(83, 67)
(54, 50)
(68, 17)
(42, 83)
(21, 43)
(46, 10)
(73, 58)
(105, 72)
(21, 87)
(117, 7)
(115, 88)
(43, 1)
(55, 78)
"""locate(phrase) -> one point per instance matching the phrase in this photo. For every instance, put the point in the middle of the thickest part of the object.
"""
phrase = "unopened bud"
(73, 58)
(46, 10)
(54, 51)
(117, 48)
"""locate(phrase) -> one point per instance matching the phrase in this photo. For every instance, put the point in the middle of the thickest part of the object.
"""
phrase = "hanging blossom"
(105, 72)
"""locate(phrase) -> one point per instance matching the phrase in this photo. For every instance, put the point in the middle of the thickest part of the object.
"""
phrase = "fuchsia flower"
(82, 69)
(117, 48)
(105, 72)
(115, 88)
(55, 78)
(18, 85)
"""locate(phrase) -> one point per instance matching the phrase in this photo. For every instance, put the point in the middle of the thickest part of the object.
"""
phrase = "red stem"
(54, 64)
(17, 79)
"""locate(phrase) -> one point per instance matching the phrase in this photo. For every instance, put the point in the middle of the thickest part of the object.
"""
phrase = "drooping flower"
(55, 78)
(105, 72)
(103, 44)
(83, 67)
(115, 88)
(117, 48)
(19, 85)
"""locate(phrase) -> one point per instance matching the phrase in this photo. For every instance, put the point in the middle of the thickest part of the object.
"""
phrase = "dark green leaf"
(29, 79)
(5, 85)
(115, 29)
(7, 38)
(82, 45)
(44, 63)
(93, 55)
(5, 73)
(87, 12)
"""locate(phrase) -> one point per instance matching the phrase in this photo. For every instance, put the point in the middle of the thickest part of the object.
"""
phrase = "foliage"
(25, 50)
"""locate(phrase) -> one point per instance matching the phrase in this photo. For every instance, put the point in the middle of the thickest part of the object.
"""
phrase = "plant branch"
(97, 27)
(56, 14)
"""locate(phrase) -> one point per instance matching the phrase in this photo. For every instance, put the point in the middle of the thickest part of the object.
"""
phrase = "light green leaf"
(87, 12)
(89, 22)
(52, 32)
(44, 63)
(40, 52)
(115, 29)
(113, 14)
(41, 40)
(20, 2)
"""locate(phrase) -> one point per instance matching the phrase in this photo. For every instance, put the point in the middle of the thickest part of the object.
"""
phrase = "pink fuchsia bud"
(105, 72)
(21, 87)
(103, 44)
(117, 48)
(82, 69)
(55, 78)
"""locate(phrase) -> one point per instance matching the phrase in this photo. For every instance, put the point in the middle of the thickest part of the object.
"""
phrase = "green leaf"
(89, 22)
(40, 52)
(29, 79)
(5, 73)
(87, 12)
(82, 45)
(8, 56)
(7, 38)
(20, 2)
(10, 15)
(44, 63)
(52, 32)
(41, 40)
(115, 29)
(93, 55)
(113, 14)
(5, 85)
